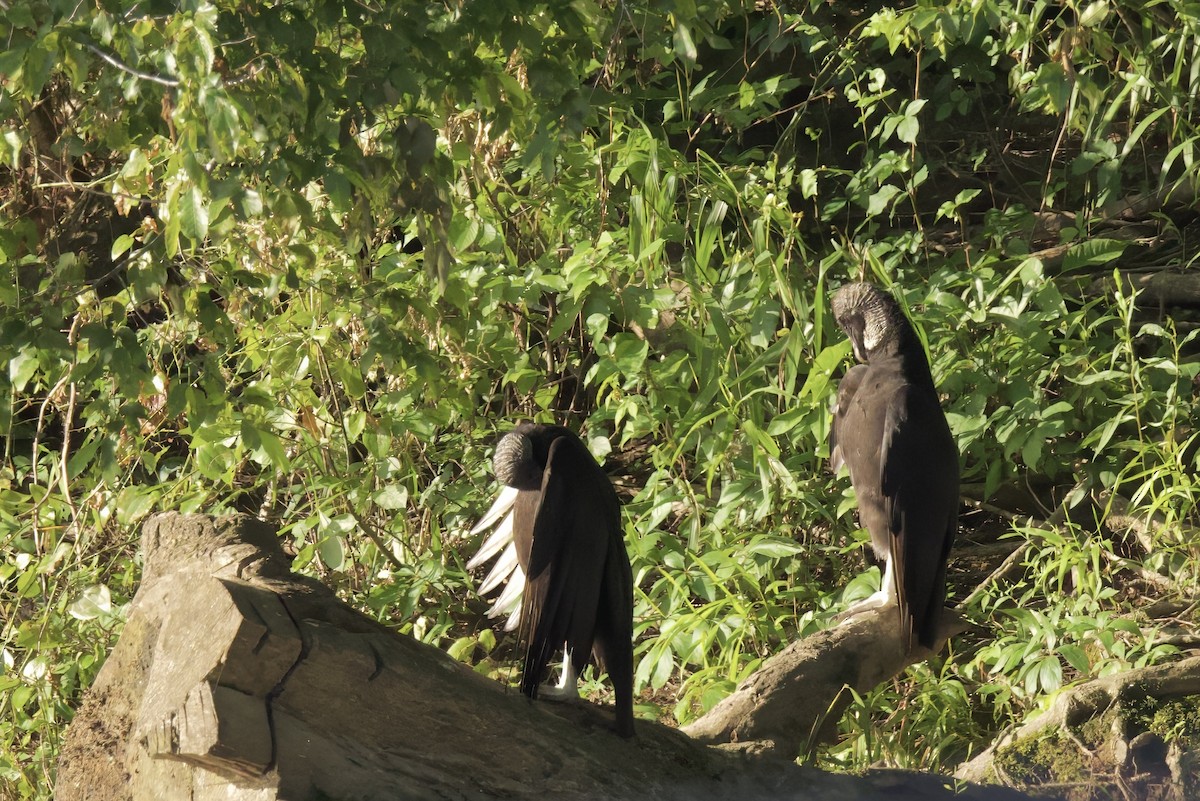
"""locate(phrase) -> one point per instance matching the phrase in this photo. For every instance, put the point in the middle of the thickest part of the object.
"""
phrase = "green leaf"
(15, 145)
(949, 209)
(352, 380)
(600, 446)
(907, 130)
(1092, 253)
(773, 547)
(1094, 14)
(882, 199)
(250, 203)
(461, 649)
(1054, 409)
(816, 384)
(1050, 674)
(392, 497)
(120, 246)
(273, 447)
(171, 231)
(339, 191)
(1076, 657)
(1051, 88)
(332, 552)
(93, 602)
(135, 503)
(193, 214)
(464, 231)
(783, 423)
(629, 353)
(21, 368)
(224, 128)
(685, 48)
(663, 669)
(355, 423)
(808, 183)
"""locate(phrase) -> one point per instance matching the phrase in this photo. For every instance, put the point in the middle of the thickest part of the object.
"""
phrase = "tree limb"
(793, 702)
(236, 679)
(1116, 751)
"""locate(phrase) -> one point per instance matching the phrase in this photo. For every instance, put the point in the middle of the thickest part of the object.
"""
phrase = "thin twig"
(65, 454)
(33, 471)
(996, 574)
(145, 76)
(1053, 521)
(374, 536)
(1150, 577)
(68, 420)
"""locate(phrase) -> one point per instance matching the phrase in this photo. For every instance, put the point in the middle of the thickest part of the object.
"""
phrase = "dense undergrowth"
(308, 261)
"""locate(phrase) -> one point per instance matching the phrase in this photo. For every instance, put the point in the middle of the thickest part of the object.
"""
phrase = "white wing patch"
(509, 602)
(502, 536)
(503, 503)
(506, 568)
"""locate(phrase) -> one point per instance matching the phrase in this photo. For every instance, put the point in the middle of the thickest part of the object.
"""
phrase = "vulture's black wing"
(560, 548)
(572, 538)
(847, 387)
(919, 480)
(855, 439)
(614, 628)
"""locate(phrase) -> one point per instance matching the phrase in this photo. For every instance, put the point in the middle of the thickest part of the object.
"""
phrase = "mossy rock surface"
(1157, 756)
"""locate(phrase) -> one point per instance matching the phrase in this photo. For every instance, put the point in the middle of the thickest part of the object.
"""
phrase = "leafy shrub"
(308, 261)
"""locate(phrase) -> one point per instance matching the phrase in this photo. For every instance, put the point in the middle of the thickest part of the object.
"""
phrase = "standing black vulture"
(890, 432)
(564, 557)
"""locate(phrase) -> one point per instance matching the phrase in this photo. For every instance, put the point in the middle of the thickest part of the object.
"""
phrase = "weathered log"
(1158, 290)
(794, 701)
(236, 679)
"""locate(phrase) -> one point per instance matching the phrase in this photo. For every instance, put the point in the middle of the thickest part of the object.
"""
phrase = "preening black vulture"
(558, 529)
(890, 432)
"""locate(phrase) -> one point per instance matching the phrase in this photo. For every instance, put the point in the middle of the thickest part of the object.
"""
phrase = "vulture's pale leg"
(885, 596)
(567, 688)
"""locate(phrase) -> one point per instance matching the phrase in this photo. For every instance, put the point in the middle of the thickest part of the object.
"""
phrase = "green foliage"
(1175, 721)
(308, 261)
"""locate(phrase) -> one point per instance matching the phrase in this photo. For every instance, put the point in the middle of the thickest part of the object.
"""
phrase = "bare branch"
(145, 76)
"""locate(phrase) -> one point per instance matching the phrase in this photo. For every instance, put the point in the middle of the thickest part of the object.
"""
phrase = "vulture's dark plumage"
(570, 586)
(890, 432)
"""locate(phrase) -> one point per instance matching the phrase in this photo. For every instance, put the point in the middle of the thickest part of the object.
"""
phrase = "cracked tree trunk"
(236, 679)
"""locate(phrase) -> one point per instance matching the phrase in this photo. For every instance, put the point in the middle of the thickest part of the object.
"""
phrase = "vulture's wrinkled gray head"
(870, 317)
(513, 463)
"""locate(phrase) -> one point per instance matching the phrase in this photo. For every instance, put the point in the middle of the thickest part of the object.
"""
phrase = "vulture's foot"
(567, 688)
(879, 599)
(560, 695)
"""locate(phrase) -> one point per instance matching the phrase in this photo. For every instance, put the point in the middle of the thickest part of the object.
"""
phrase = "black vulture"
(890, 432)
(559, 527)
